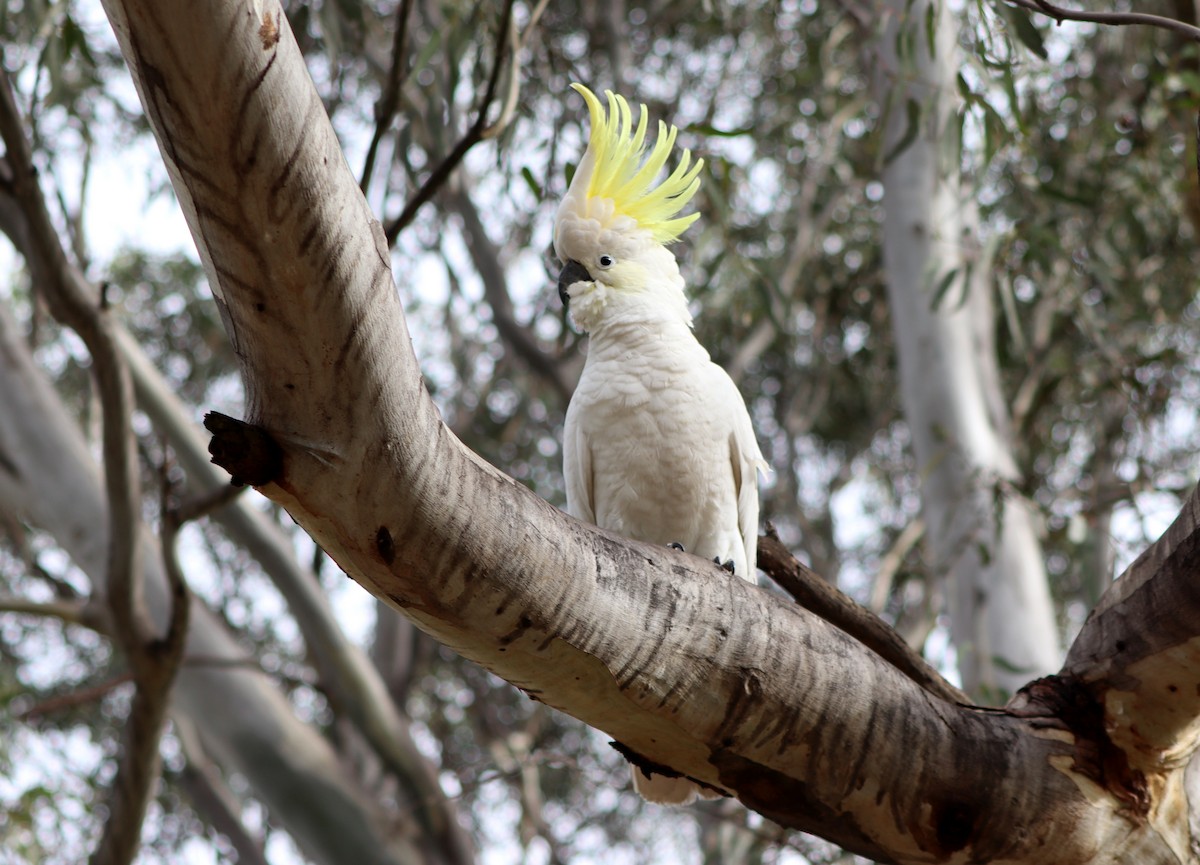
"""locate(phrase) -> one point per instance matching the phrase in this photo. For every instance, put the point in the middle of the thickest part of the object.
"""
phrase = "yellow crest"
(620, 175)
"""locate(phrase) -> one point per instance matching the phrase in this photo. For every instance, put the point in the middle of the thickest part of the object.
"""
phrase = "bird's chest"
(659, 450)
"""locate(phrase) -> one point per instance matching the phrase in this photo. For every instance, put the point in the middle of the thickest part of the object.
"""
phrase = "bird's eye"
(606, 261)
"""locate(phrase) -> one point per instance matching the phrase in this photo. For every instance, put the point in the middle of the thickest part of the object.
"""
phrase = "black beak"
(572, 273)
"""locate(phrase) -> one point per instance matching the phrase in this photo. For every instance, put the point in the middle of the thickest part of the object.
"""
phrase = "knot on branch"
(1065, 702)
(247, 452)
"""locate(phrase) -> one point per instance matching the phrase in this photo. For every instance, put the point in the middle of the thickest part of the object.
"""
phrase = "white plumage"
(658, 444)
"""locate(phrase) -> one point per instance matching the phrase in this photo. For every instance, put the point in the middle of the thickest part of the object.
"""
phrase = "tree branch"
(478, 131)
(211, 797)
(495, 291)
(831, 604)
(73, 611)
(153, 664)
(1148, 678)
(1114, 19)
(389, 99)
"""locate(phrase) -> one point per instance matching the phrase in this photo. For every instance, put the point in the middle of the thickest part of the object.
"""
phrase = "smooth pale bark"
(684, 666)
(48, 477)
(982, 535)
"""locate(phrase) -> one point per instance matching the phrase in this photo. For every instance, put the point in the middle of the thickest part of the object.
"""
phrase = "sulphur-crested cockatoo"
(658, 444)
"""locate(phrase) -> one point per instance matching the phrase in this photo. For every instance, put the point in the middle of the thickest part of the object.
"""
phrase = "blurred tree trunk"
(982, 533)
(244, 723)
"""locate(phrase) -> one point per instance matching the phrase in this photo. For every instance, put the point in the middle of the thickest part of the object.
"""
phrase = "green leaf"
(964, 88)
(931, 29)
(913, 109)
(943, 286)
(951, 143)
(1008, 666)
(1026, 30)
(710, 130)
(531, 182)
(994, 131)
(1014, 101)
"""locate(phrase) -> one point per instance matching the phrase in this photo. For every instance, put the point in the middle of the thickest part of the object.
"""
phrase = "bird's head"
(613, 225)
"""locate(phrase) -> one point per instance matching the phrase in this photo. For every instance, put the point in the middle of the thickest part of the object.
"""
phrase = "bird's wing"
(747, 461)
(577, 470)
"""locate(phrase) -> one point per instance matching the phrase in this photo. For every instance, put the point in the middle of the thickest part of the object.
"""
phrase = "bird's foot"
(727, 564)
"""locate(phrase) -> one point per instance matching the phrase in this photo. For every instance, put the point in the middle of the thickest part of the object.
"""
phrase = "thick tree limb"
(720, 681)
(1147, 676)
(72, 611)
(202, 783)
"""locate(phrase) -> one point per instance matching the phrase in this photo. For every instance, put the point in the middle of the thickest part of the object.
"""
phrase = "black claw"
(727, 564)
(675, 545)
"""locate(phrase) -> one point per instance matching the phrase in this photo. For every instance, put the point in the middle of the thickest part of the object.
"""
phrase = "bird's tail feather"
(668, 791)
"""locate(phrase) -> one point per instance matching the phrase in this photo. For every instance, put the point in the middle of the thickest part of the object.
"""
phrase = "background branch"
(495, 290)
(153, 662)
(389, 99)
(1115, 19)
(823, 598)
(478, 131)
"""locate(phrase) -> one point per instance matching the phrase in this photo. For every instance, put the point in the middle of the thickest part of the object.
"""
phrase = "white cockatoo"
(658, 445)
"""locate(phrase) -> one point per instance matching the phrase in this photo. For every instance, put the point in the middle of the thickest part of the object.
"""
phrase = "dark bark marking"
(274, 197)
(385, 546)
(9, 466)
(524, 623)
(740, 703)
(333, 258)
(663, 602)
(241, 122)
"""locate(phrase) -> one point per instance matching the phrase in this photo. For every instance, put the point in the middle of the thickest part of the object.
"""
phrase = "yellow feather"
(620, 175)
